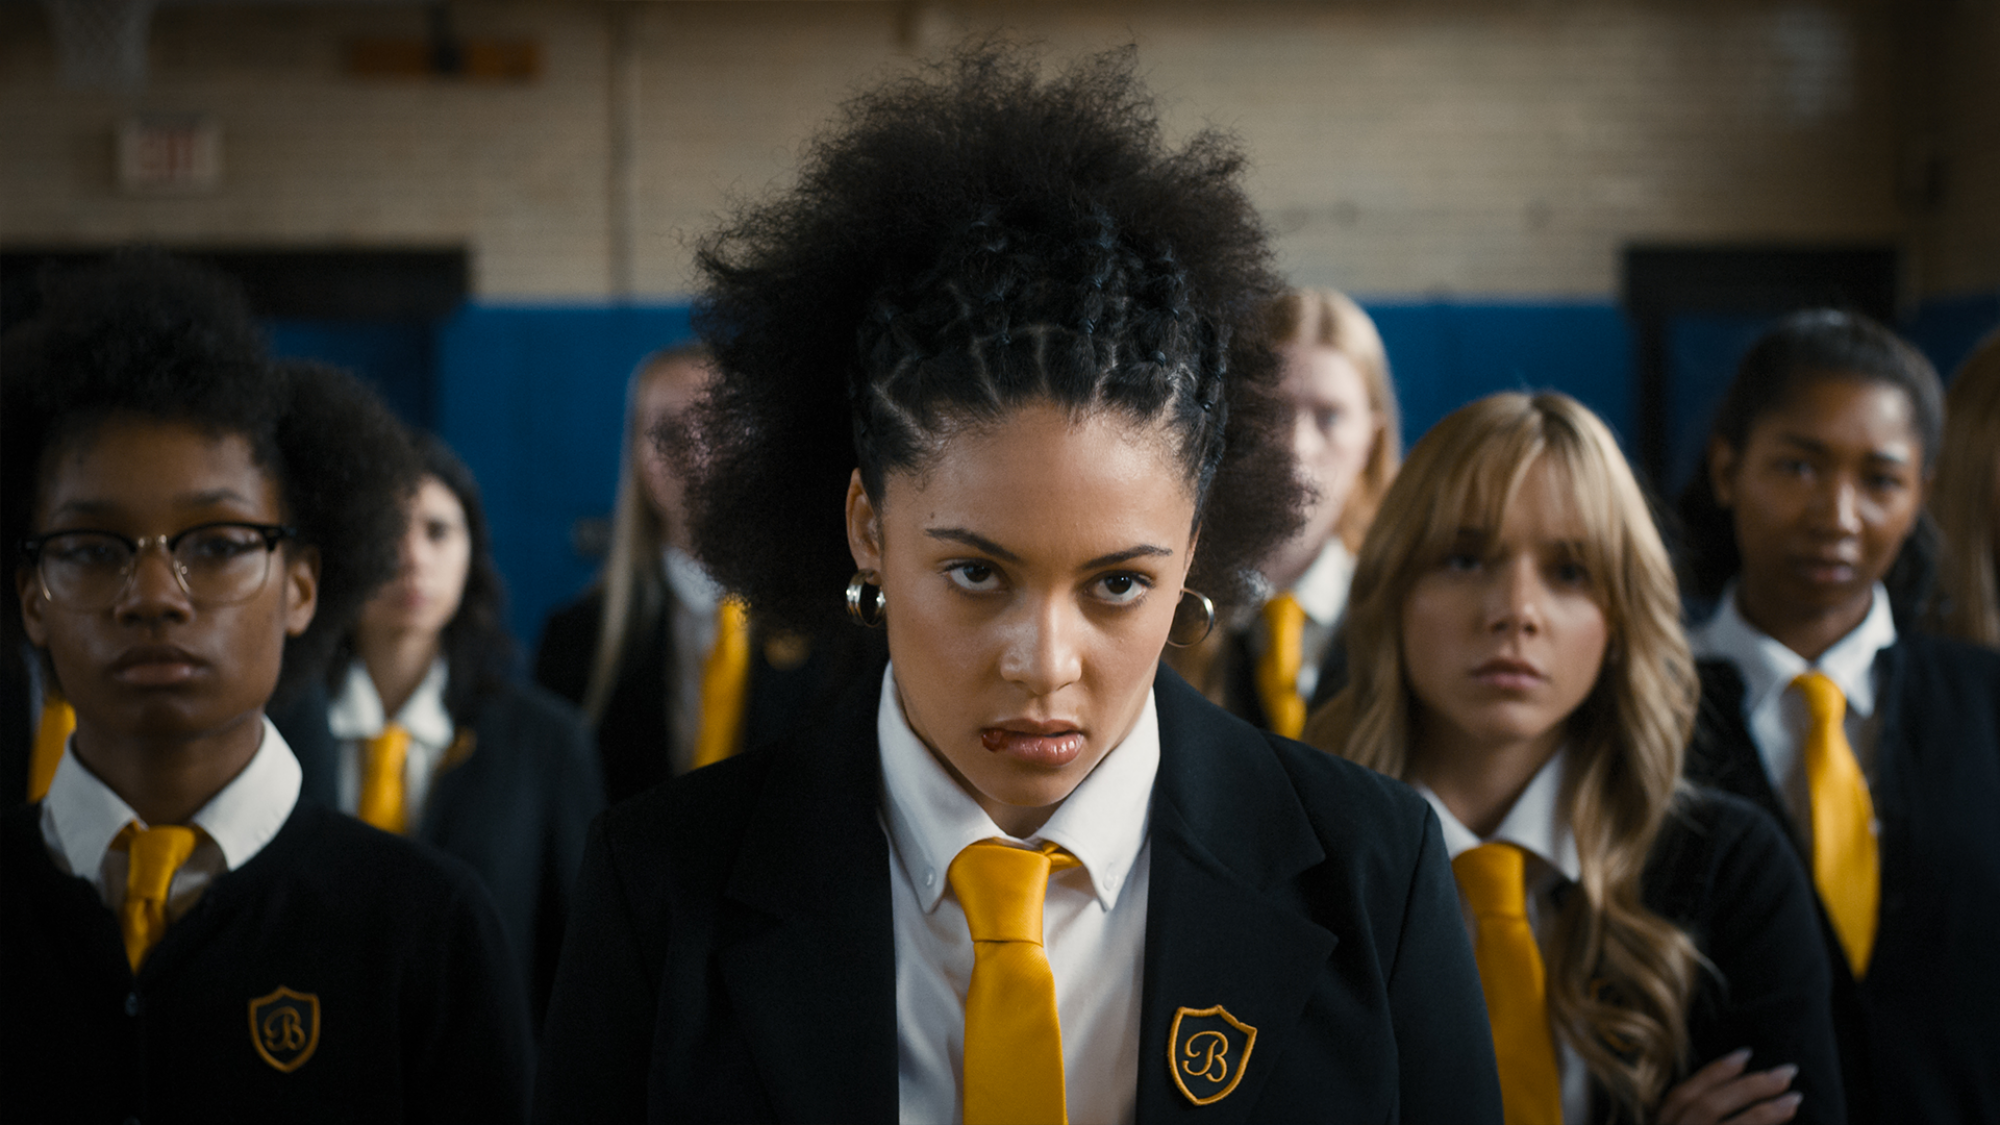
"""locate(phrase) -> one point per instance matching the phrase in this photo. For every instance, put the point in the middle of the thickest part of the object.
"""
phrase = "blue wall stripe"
(532, 394)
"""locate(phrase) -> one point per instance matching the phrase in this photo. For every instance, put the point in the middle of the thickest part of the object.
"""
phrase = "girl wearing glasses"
(993, 367)
(191, 526)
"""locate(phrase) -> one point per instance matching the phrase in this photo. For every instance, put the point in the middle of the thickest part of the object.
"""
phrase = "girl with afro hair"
(189, 526)
(993, 367)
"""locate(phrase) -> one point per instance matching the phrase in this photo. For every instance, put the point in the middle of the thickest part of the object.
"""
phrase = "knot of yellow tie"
(384, 803)
(1278, 668)
(1013, 1034)
(154, 855)
(1492, 878)
(723, 680)
(1846, 857)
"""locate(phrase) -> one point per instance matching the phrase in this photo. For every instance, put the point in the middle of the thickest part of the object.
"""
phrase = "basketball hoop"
(101, 43)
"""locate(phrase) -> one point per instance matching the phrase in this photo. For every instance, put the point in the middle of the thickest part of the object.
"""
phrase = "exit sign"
(169, 154)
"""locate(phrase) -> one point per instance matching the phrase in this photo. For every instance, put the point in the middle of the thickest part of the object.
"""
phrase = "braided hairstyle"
(964, 241)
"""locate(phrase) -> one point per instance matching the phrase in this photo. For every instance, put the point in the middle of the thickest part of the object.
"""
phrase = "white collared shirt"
(691, 631)
(1778, 720)
(81, 817)
(1322, 592)
(356, 716)
(1094, 919)
(1537, 826)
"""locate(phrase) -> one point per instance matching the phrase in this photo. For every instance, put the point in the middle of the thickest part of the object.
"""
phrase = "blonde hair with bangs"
(1323, 318)
(1620, 977)
(1963, 499)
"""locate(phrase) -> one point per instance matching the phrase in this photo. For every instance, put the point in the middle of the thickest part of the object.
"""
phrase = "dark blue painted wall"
(532, 396)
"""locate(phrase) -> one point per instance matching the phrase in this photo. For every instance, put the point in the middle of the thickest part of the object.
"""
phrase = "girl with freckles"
(1824, 701)
(992, 369)
(1648, 951)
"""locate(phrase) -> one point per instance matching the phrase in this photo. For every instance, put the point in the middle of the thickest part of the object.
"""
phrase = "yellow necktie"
(383, 802)
(723, 679)
(1278, 669)
(153, 854)
(1013, 1036)
(1493, 880)
(1846, 859)
(58, 723)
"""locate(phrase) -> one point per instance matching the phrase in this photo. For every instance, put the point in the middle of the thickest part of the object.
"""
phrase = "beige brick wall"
(1497, 147)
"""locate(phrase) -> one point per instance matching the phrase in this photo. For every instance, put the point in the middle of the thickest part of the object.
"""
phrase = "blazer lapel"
(1723, 755)
(809, 956)
(1228, 836)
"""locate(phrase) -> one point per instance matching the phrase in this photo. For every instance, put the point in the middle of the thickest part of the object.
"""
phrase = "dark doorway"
(374, 312)
(1696, 309)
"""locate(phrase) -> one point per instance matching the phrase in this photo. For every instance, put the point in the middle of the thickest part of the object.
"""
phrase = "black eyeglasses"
(215, 563)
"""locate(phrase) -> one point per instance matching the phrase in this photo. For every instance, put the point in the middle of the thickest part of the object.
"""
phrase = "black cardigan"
(1920, 1035)
(732, 957)
(516, 806)
(393, 953)
(1723, 872)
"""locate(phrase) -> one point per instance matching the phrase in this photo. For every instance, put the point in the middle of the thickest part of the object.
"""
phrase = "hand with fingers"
(1722, 1094)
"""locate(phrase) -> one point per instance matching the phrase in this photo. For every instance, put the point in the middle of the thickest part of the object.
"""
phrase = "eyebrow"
(1814, 445)
(101, 508)
(980, 542)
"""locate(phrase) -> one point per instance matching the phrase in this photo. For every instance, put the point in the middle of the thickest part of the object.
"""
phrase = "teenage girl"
(1966, 501)
(1345, 431)
(431, 737)
(992, 367)
(668, 673)
(1876, 745)
(185, 937)
(1518, 658)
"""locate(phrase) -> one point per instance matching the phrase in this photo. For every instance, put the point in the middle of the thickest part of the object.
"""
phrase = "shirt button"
(930, 877)
(131, 1003)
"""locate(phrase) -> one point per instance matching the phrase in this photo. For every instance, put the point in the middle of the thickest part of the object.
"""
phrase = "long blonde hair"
(1963, 499)
(1620, 976)
(1324, 318)
(634, 586)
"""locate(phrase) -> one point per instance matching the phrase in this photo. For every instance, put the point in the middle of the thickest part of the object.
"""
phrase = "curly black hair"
(151, 336)
(1797, 351)
(960, 242)
(478, 649)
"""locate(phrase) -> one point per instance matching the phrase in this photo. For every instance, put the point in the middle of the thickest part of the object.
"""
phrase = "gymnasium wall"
(1470, 168)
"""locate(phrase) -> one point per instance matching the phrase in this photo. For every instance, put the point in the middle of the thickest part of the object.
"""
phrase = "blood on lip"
(998, 740)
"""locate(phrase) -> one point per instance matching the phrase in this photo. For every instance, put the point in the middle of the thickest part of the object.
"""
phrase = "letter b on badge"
(1208, 1050)
(284, 1027)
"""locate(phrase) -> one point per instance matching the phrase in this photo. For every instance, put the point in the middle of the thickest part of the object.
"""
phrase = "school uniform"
(1226, 665)
(757, 953)
(648, 730)
(512, 796)
(1917, 1032)
(312, 968)
(1720, 870)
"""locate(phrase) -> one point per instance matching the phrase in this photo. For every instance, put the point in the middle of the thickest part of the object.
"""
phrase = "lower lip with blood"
(1042, 749)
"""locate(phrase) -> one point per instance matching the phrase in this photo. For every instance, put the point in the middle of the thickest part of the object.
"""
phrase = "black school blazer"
(1920, 1035)
(634, 742)
(732, 958)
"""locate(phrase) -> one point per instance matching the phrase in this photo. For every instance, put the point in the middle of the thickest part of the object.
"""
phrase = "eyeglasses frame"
(273, 533)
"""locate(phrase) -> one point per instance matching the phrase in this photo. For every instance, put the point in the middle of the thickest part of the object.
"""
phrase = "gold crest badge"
(284, 1027)
(1207, 1051)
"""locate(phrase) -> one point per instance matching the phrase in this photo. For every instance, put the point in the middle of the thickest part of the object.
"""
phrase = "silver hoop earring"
(857, 592)
(1207, 619)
